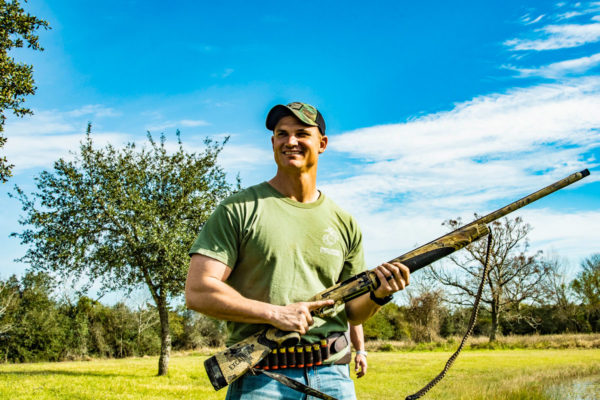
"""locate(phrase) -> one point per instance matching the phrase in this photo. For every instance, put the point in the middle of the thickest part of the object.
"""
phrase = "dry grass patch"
(562, 341)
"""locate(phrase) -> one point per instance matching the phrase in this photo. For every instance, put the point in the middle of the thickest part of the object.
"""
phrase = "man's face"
(296, 145)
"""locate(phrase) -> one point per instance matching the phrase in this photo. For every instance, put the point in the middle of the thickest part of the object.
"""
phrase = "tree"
(37, 332)
(587, 289)
(425, 313)
(514, 275)
(16, 79)
(124, 217)
(8, 295)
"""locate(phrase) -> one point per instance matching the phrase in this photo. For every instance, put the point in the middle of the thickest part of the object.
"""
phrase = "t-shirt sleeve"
(218, 238)
(355, 260)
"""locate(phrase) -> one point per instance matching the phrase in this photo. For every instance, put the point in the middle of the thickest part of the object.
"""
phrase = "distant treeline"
(35, 325)
(426, 319)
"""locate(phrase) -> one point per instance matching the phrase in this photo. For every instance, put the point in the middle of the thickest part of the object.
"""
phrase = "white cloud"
(224, 74)
(96, 110)
(193, 123)
(186, 123)
(576, 231)
(560, 69)
(37, 151)
(242, 157)
(38, 140)
(558, 37)
(391, 233)
(477, 157)
(569, 15)
(44, 122)
(527, 20)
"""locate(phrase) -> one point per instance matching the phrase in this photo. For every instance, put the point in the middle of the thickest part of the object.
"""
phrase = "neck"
(301, 186)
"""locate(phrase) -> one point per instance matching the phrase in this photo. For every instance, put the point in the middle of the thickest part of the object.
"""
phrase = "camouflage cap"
(304, 112)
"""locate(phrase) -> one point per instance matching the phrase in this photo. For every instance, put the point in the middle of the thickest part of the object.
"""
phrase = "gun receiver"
(225, 367)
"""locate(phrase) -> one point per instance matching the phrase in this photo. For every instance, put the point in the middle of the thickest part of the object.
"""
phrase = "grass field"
(477, 374)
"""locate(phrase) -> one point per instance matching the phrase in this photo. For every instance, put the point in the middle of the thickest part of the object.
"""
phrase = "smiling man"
(271, 246)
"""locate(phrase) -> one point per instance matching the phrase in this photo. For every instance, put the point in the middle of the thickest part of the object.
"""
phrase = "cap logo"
(307, 110)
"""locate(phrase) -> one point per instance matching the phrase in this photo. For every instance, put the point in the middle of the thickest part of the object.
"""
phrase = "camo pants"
(333, 380)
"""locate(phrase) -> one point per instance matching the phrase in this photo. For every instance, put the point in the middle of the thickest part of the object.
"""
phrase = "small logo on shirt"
(330, 237)
(331, 252)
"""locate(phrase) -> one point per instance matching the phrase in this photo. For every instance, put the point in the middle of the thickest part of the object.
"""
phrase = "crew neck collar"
(293, 202)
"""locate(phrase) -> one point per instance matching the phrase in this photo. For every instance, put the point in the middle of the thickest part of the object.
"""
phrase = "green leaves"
(125, 217)
(16, 79)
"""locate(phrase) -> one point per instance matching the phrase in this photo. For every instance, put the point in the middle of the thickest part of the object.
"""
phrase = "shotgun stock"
(230, 364)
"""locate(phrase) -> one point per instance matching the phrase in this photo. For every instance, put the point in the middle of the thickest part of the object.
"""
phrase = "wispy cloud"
(96, 110)
(186, 123)
(39, 140)
(40, 151)
(528, 20)
(224, 74)
(558, 37)
(482, 153)
(568, 15)
(560, 69)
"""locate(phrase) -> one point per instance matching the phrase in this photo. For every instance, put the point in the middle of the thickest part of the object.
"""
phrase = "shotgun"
(230, 364)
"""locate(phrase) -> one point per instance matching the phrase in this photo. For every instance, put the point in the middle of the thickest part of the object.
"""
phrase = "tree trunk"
(495, 311)
(165, 338)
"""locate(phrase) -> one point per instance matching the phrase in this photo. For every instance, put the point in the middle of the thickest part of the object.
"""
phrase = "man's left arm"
(362, 308)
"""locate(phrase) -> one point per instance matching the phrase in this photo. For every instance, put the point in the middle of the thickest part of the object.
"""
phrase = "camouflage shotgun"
(230, 364)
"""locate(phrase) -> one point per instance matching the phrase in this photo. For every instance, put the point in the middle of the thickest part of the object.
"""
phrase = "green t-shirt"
(282, 251)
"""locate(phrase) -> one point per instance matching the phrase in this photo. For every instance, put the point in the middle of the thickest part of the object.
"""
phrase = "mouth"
(292, 152)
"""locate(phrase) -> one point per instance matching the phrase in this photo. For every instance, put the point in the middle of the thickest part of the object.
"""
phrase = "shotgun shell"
(300, 356)
(308, 355)
(281, 357)
(291, 357)
(324, 350)
(273, 359)
(317, 354)
(267, 365)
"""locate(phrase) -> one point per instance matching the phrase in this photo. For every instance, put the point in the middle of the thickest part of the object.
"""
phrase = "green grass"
(480, 374)
(477, 374)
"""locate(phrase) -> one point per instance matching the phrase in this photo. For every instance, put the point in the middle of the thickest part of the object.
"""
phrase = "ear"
(273, 141)
(323, 144)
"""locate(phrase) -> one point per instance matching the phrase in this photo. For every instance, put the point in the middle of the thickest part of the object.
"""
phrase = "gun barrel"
(531, 198)
(432, 251)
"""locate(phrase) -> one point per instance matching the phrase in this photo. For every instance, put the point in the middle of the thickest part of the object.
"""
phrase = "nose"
(291, 141)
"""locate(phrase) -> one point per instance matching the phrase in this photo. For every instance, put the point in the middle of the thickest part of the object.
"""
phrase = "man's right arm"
(207, 293)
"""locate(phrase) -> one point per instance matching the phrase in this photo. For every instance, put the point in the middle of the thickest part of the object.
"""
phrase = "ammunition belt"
(307, 354)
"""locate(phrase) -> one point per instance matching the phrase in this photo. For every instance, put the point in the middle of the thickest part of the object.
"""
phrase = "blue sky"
(434, 109)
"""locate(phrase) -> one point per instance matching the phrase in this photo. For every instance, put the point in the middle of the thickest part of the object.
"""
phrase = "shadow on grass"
(50, 372)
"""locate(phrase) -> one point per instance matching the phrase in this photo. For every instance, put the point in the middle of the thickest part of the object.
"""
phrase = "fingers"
(297, 317)
(315, 305)
(393, 277)
(360, 365)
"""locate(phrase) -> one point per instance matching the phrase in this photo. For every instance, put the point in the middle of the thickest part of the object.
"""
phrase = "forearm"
(215, 298)
(360, 309)
(357, 337)
(392, 277)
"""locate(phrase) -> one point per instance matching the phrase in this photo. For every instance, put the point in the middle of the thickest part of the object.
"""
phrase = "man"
(271, 246)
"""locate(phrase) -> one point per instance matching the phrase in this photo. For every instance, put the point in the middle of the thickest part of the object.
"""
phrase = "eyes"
(301, 134)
